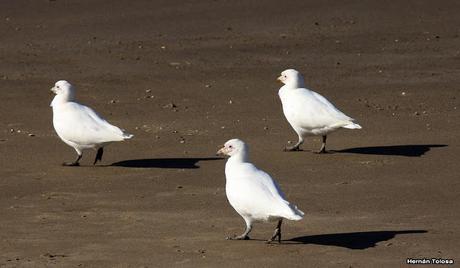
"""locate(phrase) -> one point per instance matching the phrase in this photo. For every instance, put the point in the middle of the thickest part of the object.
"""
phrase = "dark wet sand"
(387, 192)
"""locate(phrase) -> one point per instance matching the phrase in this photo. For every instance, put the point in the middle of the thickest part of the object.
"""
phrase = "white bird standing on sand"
(79, 126)
(253, 193)
(308, 112)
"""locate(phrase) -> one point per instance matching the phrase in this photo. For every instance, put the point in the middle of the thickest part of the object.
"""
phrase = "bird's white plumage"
(251, 191)
(79, 126)
(308, 112)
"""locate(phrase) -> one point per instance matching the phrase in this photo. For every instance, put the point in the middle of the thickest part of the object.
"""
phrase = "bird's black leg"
(74, 163)
(99, 154)
(244, 236)
(296, 147)
(277, 232)
(323, 146)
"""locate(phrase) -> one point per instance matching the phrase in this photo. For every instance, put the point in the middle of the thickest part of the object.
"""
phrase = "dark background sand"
(389, 191)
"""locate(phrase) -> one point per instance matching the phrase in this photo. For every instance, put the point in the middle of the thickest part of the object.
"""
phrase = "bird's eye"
(230, 146)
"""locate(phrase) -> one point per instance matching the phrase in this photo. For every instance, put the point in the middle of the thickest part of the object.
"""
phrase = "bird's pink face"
(61, 87)
(232, 147)
(227, 150)
(282, 78)
(291, 77)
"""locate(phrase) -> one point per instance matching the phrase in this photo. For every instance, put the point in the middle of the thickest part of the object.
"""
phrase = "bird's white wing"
(258, 194)
(309, 109)
(331, 108)
(81, 125)
(102, 122)
(267, 182)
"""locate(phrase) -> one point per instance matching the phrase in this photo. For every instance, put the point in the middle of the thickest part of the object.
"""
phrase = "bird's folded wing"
(311, 110)
(331, 109)
(265, 193)
(81, 125)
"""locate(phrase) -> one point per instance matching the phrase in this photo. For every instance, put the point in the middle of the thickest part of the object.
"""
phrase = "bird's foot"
(323, 146)
(292, 148)
(71, 164)
(239, 237)
(322, 151)
(275, 235)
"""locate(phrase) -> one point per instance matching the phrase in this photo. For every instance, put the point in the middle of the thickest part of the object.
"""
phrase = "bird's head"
(62, 87)
(234, 147)
(291, 77)
(64, 90)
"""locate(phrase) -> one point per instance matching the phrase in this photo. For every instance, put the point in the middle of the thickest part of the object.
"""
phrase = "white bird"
(253, 193)
(79, 126)
(308, 112)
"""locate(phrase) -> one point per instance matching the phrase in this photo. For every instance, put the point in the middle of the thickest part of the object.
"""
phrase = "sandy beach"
(186, 76)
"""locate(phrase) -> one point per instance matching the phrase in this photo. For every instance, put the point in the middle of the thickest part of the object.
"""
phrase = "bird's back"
(309, 110)
(79, 124)
(253, 193)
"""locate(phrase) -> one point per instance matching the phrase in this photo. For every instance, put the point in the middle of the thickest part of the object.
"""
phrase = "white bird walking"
(79, 126)
(308, 112)
(253, 193)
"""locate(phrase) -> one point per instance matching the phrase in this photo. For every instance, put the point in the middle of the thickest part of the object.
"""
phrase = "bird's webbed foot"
(322, 151)
(239, 237)
(292, 148)
(71, 164)
(74, 163)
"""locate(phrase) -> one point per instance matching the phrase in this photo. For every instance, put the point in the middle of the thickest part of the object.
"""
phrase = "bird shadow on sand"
(183, 163)
(415, 150)
(358, 240)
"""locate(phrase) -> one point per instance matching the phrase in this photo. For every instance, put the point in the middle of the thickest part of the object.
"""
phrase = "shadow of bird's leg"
(99, 154)
(74, 163)
(243, 236)
(323, 146)
(296, 147)
(277, 233)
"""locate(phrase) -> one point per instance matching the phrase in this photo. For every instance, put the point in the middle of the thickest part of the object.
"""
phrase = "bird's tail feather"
(296, 214)
(127, 136)
(352, 125)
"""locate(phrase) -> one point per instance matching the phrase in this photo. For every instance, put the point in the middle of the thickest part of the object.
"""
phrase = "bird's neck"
(238, 158)
(296, 83)
(61, 99)
(285, 91)
(233, 164)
